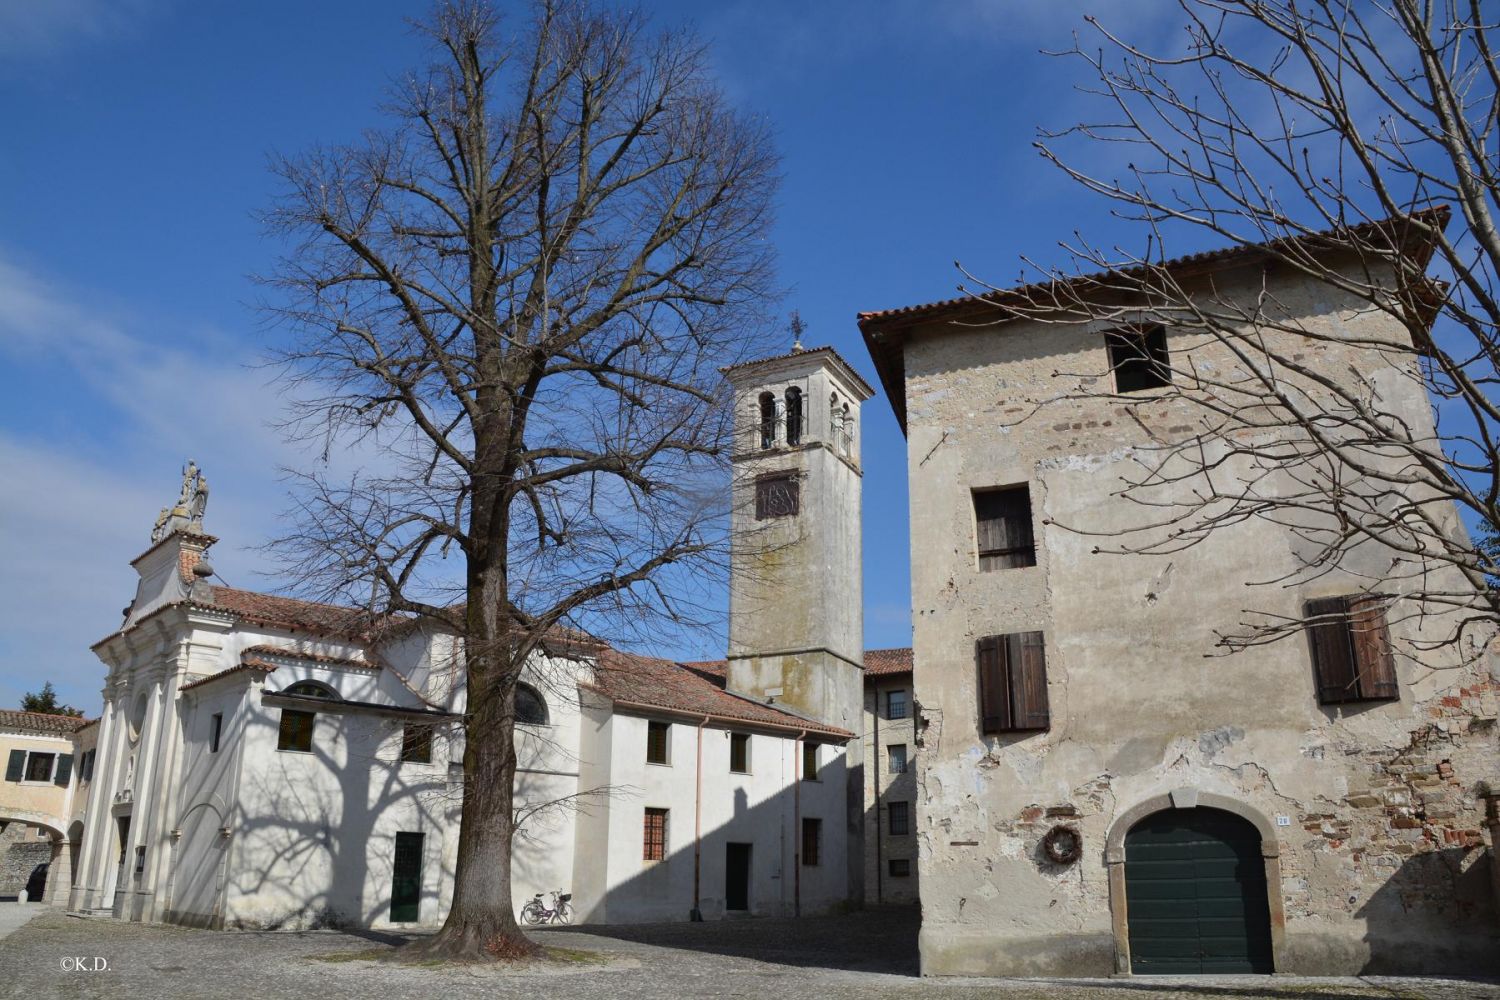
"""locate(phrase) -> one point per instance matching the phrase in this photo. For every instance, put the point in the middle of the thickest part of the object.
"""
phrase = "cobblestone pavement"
(867, 956)
(14, 915)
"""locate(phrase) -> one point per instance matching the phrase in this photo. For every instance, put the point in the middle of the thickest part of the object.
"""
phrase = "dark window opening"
(777, 496)
(296, 731)
(39, 766)
(1351, 649)
(531, 710)
(767, 420)
(657, 744)
(739, 753)
(655, 845)
(312, 689)
(1003, 528)
(1139, 358)
(900, 868)
(794, 415)
(215, 728)
(1012, 682)
(897, 753)
(898, 814)
(896, 705)
(809, 762)
(812, 841)
(416, 744)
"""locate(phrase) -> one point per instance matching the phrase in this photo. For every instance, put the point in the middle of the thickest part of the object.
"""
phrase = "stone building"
(1095, 794)
(268, 762)
(48, 763)
(889, 739)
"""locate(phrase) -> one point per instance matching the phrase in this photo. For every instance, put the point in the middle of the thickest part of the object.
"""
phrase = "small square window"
(296, 732)
(809, 762)
(777, 496)
(899, 816)
(416, 744)
(897, 753)
(39, 766)
(739, 753)
(658, 745)
(900, 868)
(897, 706)
(215, 728)
(1139, 359)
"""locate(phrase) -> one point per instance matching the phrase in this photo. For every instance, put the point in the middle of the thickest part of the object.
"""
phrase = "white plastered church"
(268, 762)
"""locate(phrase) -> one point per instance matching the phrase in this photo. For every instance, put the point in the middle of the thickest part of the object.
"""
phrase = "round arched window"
(312, 689)
(531, 710)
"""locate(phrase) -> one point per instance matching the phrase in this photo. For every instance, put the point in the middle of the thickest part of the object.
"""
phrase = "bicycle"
(560, 912)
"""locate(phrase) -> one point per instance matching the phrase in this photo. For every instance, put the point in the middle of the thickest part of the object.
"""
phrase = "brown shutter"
(1371, 640)
(994, 693)
(1332, 654)
(1028, 673)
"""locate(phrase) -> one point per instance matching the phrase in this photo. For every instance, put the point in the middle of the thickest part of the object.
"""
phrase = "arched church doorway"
(1195, 890)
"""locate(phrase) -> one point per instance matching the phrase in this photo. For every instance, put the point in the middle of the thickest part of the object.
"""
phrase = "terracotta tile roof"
(338, 661)
(838, 359)
(42, 722)
(882, 328)
(245, 667)
(291, 613)
(887, 662)
(698, 689)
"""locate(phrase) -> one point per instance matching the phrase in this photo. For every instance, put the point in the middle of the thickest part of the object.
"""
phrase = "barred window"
(655, 848)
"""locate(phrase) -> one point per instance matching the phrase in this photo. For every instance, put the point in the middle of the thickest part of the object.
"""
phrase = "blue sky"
(134, 165)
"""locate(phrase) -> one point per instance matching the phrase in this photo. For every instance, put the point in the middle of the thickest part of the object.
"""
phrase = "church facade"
(273, 763)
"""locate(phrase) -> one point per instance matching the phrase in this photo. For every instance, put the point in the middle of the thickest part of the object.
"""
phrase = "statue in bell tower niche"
(199, 504)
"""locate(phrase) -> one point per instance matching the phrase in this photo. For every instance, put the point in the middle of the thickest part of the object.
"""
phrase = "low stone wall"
(21, 850)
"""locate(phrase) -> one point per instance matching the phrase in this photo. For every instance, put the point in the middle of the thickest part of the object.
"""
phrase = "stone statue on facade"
(192, 502)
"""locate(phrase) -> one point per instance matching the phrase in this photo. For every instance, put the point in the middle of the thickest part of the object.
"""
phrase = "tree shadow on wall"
(1435, 915)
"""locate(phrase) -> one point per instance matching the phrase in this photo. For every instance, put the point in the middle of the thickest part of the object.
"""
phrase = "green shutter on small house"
(64, 770)
(15, 765)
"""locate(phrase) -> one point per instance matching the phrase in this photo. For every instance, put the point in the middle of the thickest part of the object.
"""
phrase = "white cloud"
(41, 27)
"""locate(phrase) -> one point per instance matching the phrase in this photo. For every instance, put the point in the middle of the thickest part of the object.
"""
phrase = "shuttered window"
(1002, 521)
(39, 766)
(1012, 682)
(1351, 649)
(657, 742)
(809, 762)
(739, 753)
(655, 848)
(812, 841)
(777, 496)
(899, 814)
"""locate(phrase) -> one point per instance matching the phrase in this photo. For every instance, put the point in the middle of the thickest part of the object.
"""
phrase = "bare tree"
(1329, 141)
(519, 293)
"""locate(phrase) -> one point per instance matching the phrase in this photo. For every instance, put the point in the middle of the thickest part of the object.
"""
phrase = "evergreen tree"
(45, 701)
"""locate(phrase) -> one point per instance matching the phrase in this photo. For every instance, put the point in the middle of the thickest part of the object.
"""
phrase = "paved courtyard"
(862, 956)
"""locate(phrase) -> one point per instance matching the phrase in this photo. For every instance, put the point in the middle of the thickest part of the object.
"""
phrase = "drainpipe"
(797, 823)
(875, 775)
(697, 914)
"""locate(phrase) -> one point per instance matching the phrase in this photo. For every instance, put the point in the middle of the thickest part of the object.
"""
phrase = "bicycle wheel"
(564, 913)
(533, 913)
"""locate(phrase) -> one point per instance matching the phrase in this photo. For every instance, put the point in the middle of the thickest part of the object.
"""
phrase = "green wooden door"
(406, 878)
(1195, 894)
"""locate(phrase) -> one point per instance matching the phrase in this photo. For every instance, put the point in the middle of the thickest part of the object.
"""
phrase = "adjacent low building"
(49, 762)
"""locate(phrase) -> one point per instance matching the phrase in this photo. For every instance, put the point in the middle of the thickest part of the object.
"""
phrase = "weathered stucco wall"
(1378, 831)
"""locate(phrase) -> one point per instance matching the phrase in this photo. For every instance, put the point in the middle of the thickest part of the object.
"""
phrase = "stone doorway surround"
(1188, 798)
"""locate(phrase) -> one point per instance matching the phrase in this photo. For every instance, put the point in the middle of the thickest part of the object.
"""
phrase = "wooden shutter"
(1028, 677)
(15, 766)
(994, 694)
(64, 770)
(1332, 653)
(1374, 664)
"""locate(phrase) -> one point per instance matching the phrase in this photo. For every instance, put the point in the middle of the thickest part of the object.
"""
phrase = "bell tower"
(796, 617)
